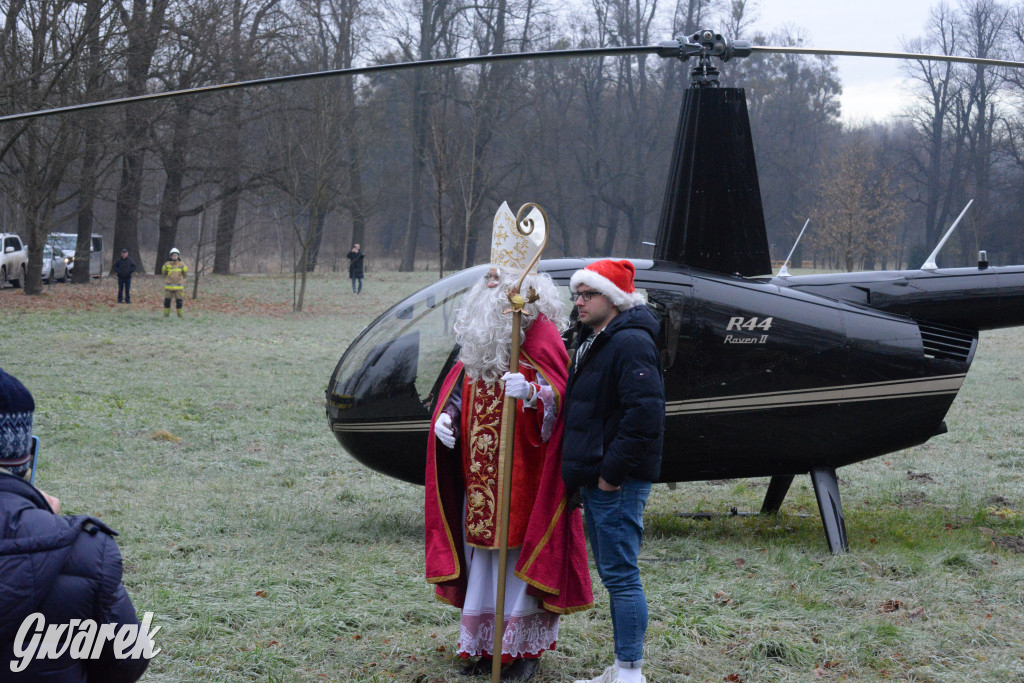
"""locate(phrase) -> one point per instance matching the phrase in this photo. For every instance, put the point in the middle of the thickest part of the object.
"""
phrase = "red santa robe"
(461, 516)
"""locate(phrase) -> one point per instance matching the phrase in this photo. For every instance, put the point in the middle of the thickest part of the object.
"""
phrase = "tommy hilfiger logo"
(81, 639)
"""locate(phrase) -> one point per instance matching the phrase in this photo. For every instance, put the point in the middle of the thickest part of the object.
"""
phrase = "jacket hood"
(638, 318)
(34, 544)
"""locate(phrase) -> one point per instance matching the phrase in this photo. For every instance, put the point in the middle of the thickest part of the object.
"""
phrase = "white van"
(68, 241)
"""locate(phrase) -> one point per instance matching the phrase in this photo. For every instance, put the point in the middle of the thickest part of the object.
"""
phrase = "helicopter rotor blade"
(681, 48)
(887, 55)
(354, 71)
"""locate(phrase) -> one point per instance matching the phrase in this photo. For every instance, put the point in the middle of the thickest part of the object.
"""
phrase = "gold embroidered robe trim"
(481, 465)
(483, 462)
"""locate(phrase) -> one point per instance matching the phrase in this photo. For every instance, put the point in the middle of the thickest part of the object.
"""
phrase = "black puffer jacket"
(66, 568)
(615, 405)
(124, 267)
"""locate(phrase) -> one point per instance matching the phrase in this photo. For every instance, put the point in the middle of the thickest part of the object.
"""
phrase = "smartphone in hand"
(35, 458)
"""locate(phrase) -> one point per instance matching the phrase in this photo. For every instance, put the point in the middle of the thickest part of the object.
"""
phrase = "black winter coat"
(66, 568)
(355, 266)
(615, 405)
(124, 267)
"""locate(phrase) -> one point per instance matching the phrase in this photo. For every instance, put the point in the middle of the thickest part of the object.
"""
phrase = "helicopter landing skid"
(733, 512)
(826, 489)
(830, 505)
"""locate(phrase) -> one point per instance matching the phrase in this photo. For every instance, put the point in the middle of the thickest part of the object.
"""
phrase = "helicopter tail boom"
(982, 298)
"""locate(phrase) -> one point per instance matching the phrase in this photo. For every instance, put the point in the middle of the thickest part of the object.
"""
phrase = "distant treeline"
(413, 165)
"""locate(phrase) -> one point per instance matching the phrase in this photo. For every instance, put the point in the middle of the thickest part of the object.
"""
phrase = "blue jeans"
(615, 526)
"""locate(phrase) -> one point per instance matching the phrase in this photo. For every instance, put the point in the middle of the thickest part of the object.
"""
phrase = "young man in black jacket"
(58, 575)
(611, 449)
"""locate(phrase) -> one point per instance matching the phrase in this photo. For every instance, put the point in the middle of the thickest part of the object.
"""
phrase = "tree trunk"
(226, 231)
(170, 201)
(90, 149)
(143, 32)
(315, 239)
(419, 142)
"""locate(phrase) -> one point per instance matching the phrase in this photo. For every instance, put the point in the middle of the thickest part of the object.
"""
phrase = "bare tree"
(39, 44)
(187, 60)
(310, 153)
(938, 90)
(858, 210)
(94, 67)
(144, 26)
(434, 21)
(254, 31)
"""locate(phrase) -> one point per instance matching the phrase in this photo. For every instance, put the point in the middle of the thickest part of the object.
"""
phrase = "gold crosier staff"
(508, 421)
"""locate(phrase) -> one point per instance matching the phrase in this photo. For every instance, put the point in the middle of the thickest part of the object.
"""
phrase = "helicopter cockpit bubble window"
(393, 367)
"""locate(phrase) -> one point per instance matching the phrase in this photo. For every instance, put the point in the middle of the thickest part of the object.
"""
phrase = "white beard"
(485, 333)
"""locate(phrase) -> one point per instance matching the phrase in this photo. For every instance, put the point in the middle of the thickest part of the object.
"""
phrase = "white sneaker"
(610, 675)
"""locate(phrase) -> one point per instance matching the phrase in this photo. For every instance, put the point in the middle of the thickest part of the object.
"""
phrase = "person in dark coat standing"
(124, 267)
(57, 574)
(355, 268)
(611, 449)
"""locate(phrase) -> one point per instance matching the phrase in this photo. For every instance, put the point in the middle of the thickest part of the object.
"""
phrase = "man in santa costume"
(546, 572)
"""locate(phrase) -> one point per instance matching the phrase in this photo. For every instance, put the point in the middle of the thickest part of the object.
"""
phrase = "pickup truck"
(13, 259)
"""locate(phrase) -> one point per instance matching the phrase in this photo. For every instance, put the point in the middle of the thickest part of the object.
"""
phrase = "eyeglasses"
(586, 296)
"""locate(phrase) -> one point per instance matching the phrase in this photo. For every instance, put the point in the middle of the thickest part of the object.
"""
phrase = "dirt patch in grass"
(1015, 544)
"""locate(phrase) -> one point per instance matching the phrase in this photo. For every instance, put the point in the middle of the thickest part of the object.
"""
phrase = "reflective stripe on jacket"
(175, 273)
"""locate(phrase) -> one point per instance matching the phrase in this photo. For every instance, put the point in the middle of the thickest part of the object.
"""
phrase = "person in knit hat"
(55, 571)
(611, 449)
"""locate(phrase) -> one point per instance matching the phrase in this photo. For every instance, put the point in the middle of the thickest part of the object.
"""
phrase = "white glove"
(516, 386)
(443, 430)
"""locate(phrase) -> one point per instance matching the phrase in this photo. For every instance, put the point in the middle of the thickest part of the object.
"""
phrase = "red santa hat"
(614, 279)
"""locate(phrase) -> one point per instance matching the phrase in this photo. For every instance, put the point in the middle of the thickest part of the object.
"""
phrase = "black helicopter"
(855, 365)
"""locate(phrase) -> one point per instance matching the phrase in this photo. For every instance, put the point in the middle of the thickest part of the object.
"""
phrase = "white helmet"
(175, 251)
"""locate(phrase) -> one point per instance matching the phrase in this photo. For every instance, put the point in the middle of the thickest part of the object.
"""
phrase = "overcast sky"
(872, 88)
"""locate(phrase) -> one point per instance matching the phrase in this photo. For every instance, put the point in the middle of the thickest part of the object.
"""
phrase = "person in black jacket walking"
(57, 574)
(611, 449)
(124, 267)
(355, 268)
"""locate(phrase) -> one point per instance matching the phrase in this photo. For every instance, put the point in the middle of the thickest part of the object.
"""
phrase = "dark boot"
(480, 667)
(520, 670)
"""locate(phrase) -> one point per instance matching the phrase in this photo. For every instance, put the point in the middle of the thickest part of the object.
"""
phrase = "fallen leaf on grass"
(164, 435)
(821, 670)
(733, 678)
(916, 614)
(261, 593)
(890, 606)
(739, 562)
(1003, 512)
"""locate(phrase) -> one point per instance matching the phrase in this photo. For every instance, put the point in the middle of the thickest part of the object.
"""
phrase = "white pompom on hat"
(614, 279)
